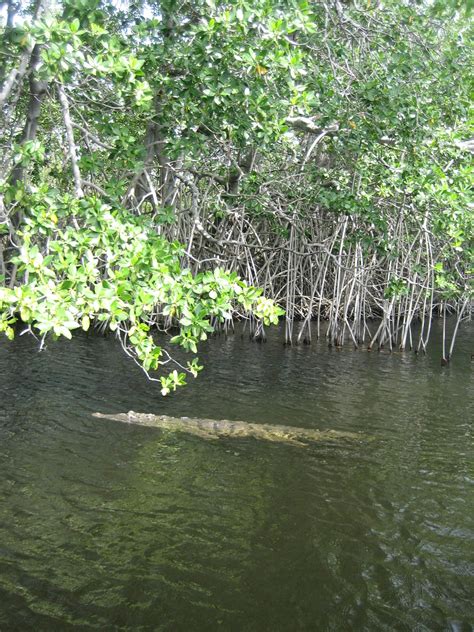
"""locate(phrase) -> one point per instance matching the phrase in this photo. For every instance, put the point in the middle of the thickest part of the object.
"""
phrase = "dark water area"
(106, 526)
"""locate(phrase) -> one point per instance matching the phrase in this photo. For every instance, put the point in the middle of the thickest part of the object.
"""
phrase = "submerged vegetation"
(161, 160)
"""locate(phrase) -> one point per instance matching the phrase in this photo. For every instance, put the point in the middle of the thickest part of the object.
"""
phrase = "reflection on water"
(112, 527)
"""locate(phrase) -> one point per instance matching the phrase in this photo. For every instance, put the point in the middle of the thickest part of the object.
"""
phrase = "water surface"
(105, 526)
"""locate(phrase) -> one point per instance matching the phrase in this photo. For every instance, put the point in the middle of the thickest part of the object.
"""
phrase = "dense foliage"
(154, 153)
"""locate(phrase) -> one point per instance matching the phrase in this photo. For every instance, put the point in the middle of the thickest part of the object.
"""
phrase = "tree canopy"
(161, 159)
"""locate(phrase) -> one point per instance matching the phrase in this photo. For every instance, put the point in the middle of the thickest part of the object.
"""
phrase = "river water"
(105, 526)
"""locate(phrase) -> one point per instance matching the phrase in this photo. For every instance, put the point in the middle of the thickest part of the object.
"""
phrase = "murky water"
(105, 526)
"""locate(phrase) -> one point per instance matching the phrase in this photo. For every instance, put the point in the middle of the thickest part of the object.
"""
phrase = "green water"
(105, 526)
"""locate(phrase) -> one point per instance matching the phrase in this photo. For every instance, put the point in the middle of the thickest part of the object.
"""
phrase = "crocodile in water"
(210, 429)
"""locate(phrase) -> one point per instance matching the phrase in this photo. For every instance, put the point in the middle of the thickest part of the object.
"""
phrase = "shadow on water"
(105, 526)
